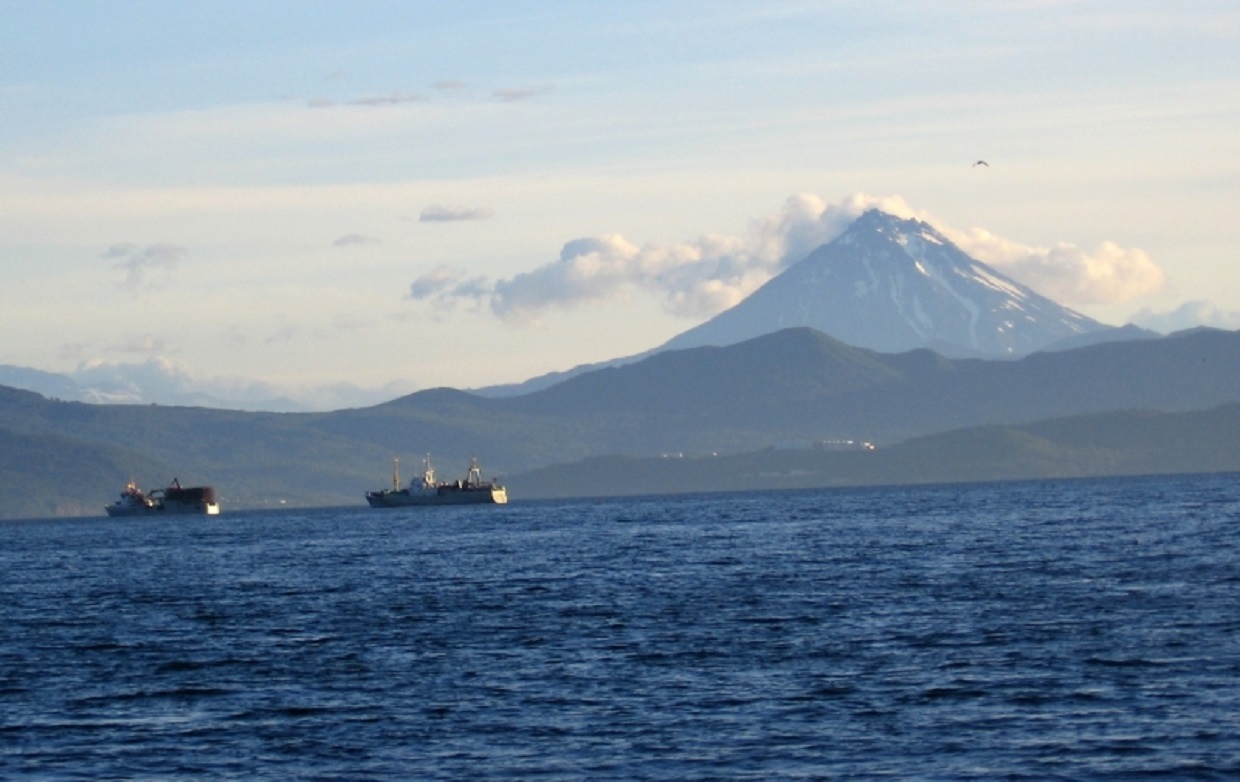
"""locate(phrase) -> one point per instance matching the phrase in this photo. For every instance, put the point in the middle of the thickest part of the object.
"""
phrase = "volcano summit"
(892, 285)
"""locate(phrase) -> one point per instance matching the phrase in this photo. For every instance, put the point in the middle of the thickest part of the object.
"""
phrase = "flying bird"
(980, 163)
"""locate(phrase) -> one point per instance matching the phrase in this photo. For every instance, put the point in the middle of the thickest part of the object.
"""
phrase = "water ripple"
(1082, 630)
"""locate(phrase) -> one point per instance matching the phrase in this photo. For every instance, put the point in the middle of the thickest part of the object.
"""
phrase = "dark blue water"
(1070, 630)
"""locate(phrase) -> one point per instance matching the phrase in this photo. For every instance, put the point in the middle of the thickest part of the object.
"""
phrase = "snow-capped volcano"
(891, 285)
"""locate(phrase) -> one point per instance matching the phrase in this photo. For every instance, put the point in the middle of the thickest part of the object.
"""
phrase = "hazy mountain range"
(161, 382)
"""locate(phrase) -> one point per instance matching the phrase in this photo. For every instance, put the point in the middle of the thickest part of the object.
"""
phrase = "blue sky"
(413, 194)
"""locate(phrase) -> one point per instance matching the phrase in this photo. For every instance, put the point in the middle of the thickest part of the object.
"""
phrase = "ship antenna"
(395, 473)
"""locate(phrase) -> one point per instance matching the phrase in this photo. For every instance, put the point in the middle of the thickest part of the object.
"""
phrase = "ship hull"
(172, 501)
(407, 499)
(166, 509)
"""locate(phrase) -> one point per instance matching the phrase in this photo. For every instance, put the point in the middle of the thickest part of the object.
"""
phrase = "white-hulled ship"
(427, 491)
(174, 500)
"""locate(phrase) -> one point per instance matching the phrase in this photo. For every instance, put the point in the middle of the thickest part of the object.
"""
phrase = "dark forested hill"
(49, 475)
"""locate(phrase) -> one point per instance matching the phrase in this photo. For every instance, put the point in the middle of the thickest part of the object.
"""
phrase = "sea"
(1062, 630)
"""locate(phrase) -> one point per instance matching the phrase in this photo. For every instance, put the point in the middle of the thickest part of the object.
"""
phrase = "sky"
(305, 196)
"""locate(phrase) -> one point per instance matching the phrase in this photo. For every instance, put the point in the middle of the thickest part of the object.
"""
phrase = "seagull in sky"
(980, 163)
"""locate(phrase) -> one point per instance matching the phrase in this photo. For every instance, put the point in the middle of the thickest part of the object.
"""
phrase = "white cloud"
(445, 284)
(397, 98)
(702, 277)
(147, 344)
(120, 250)
(391, 99)
(1188, 315)
(1067, 273)
(137, 261)
(438, 213)
(590, 269)
(432, 283)
(355, 240)
(511, 94)
(695, 279)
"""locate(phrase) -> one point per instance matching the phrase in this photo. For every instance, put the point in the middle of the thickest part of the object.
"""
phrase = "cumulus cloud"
(1188, 315)
(120, 250)
(702, 277)
(694, 279)
(146, 344)
(391, 99)
(511, 94)
(452, 89)
(433, 283)
(397, 98)
(1067, 273)
(355, 240)
(445, 284)
(439, 213)
(137, 262)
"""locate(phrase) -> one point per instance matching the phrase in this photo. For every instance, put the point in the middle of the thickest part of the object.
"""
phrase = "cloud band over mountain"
(1065, 272)
(702, 277)
(1188, 315)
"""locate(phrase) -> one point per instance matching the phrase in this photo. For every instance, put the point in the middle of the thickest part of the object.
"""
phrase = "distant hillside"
(801, 384)
(1124, 443)
(253, 459)
(795, 385)
(49, 475)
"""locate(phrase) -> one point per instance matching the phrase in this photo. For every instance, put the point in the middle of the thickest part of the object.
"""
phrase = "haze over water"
(1081, 630)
